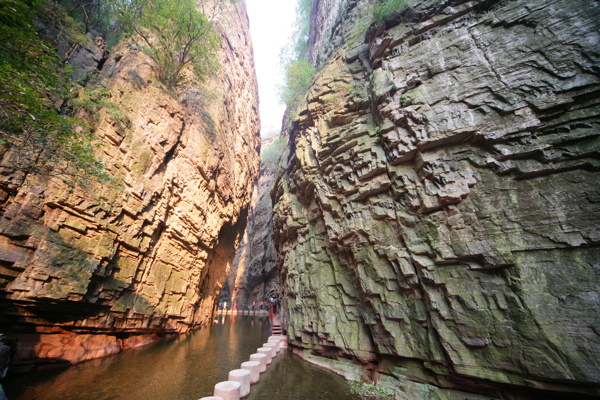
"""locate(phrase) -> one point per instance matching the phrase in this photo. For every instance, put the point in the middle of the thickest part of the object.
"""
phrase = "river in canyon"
(186, 368)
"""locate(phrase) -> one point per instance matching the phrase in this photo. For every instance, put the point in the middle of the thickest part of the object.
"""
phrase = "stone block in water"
(266, 351)
(277, 343)
(262, 359)
(273, 347)
(254, 368)
(282, 339)
(228, 390)
(243, 377)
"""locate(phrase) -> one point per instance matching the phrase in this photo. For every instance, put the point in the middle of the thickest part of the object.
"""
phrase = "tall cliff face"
(86, 273)
(437, 217)
(253, 276)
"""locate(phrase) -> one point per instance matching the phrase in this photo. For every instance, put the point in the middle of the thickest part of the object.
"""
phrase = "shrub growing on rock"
(174, 34)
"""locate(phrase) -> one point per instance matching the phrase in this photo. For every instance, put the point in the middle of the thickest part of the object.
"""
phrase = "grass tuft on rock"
(370, 390)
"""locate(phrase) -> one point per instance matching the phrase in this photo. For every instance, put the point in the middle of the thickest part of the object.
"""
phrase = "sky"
(271, 25)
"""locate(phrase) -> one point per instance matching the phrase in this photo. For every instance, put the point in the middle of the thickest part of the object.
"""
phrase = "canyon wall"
(89, 271)
(437, 214)
(253, 276)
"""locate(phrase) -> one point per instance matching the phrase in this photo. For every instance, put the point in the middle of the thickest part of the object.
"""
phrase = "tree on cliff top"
(174, 34)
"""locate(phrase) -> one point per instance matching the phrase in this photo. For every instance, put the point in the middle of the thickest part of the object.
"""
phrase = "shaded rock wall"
(88, 272)
(253, 276)
(437, 217)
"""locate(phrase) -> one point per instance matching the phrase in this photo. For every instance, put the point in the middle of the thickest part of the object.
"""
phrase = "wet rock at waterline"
(437, 219)
(86, 273)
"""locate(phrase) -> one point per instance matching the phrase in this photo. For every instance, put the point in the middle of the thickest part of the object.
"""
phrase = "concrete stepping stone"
(282, 338)
(277, 343)
(228, 390)
(254, 368)
(243, 377)
(272, 346)
(266, 351)
(262, 359)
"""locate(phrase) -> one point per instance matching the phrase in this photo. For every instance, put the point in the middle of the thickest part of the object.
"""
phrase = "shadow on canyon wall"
(52, 314)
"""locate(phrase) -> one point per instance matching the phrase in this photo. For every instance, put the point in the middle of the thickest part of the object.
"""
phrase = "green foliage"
(384, 8)
(32, 87)
(35, 125)
(375, 14)
(95, 100)
(91, 99)
(174, 34)
(302, 30)
(117, 115)
(56, 22)
(294, 58)
(298, 77)
(370, 390)
(269, 155)
(94, 14)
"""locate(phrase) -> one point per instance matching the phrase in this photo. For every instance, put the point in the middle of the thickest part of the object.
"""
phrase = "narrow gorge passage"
(425, 214)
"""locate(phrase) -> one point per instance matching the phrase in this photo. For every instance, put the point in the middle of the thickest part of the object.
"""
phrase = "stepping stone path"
(238, 385)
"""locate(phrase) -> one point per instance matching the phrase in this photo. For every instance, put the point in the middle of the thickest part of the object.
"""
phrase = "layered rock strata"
(253, 276)
(87, 272)
(437, 217)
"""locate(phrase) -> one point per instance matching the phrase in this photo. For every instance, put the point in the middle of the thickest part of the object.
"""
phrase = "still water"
(186, 368)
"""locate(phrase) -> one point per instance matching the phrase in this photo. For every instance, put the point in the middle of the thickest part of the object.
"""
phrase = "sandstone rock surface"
(437, 216)
(253, 276)
(88, 272)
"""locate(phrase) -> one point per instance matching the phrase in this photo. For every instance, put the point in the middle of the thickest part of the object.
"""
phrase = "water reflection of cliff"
(182, 368)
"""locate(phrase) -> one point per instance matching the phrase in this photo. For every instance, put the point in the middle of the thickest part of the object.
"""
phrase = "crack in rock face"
(437, 219)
